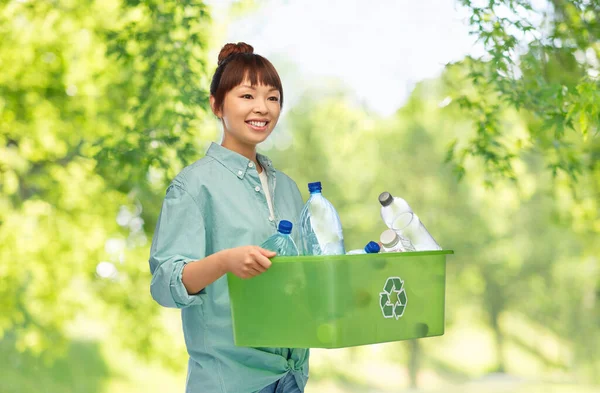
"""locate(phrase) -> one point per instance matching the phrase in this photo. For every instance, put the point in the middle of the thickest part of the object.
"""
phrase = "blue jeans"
(287, 384)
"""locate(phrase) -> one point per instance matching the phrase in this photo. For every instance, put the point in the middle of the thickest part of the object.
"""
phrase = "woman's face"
(249, 113)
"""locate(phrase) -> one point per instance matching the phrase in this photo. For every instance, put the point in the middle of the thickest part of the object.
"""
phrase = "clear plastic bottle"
(370, 248)
(392, 241)
(281, 242)
(320, 226)
(398, 216)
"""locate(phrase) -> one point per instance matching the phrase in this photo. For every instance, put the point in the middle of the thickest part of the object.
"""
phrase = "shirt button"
(257, 188)
(250, 164)
(271, 219)
(240, 173)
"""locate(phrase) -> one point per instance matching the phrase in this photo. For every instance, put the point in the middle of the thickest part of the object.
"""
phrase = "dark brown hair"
(238, 62)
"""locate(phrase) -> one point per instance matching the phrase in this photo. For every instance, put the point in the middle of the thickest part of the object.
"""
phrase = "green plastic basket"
(341, 300)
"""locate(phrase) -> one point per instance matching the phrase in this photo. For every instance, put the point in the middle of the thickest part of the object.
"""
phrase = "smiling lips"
(257, 125)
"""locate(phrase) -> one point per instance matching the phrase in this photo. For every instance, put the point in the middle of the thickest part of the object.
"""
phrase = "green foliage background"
(102, 103)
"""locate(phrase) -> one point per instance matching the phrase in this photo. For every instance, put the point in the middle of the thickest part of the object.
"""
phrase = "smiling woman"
(215, 213)
(246, 94)
(238, 62)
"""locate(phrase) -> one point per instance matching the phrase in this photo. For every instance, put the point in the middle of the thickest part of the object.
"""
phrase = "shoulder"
(284, 177)
(286, 182)
(197, 174)
(194, 181)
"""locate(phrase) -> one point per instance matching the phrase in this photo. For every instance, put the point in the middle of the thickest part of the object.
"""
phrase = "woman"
(214, 214)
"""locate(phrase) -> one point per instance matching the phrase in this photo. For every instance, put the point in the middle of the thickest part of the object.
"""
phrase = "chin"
(256, 139)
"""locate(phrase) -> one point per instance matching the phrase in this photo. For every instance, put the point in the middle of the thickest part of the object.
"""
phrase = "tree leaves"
(88, 105)
(543, 69)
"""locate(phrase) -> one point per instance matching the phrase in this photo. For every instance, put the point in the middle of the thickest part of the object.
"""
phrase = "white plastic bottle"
(394, 242)
(398, 216)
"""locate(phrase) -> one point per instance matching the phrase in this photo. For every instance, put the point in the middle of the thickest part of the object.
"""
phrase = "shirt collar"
(237, 163)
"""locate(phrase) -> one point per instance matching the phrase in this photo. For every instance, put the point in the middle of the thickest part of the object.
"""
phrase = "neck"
(248, 151)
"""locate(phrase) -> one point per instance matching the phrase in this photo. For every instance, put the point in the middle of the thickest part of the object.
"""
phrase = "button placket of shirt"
(261, 195)
(241, 172)
(268, 166)
(257, 188)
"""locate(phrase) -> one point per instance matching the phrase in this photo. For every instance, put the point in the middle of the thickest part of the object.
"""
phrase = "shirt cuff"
(178, 291)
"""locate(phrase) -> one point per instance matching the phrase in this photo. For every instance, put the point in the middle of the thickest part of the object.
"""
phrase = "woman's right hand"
(247, 261)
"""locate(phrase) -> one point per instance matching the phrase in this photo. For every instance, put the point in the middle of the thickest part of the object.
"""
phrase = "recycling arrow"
(393, 299)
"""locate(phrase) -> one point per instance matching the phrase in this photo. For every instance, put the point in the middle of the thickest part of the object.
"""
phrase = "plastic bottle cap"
(388, 238)
(385, 198)
(315, 186)
(285, 227)
(372, 247)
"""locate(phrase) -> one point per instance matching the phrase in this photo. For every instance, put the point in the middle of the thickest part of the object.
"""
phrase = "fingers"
(262, 258)
(255, 262)
(259, 267)
(252, 271)
(255, 271)
(263, 263)
(266, 253)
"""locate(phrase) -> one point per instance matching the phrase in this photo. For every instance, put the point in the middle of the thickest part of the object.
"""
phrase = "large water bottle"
(320, 226)
(370, 248)
(392, 241)
(397, 215)
(281, 242)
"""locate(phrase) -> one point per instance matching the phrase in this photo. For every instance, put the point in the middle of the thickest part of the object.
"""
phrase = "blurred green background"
(103, 102)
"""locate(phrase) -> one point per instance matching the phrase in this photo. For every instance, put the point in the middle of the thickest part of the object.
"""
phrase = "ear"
(216, 111)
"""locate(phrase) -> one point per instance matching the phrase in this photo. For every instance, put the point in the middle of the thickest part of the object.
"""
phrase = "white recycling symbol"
(393, 298)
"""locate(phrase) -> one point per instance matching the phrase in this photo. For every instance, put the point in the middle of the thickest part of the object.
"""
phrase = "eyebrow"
(254, 88)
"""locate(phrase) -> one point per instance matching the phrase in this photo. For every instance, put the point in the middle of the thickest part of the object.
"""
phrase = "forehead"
(247, 84)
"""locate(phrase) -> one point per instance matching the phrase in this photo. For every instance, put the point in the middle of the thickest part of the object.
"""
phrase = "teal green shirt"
(217, 203)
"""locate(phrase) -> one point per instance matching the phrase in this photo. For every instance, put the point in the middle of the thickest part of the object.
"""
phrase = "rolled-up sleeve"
(179, 238)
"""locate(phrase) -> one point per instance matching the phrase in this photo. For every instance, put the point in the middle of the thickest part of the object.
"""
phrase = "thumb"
(267, 253)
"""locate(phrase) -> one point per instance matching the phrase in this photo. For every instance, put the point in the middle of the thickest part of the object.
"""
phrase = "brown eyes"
(249, 97)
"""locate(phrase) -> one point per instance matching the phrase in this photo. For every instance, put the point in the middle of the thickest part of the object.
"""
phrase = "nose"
(261, 107)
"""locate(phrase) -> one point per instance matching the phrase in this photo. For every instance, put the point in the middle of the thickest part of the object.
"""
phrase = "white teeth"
(258, 123)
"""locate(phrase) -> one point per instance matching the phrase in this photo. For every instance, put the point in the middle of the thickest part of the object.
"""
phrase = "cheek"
(231, 125)
(234, 116)
(275, 110)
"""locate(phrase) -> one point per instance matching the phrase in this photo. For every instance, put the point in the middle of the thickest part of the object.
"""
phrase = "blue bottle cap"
(315, 186)
(372, 248)
(285, 227)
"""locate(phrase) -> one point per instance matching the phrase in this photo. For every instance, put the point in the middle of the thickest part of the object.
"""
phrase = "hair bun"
(232, 49)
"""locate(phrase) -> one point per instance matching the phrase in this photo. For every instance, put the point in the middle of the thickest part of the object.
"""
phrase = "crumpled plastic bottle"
(281, 242)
